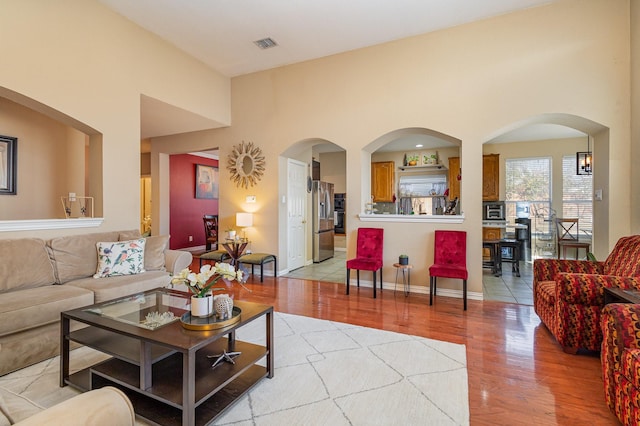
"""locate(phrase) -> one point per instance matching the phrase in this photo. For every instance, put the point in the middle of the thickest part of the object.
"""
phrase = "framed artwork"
(429, 158)
(8, 164)
(206, 182)
(413, 159)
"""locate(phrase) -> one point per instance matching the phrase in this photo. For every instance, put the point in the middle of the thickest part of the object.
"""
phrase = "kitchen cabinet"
(491, 177)
(454, 172)
(383, 179)
(491, 234)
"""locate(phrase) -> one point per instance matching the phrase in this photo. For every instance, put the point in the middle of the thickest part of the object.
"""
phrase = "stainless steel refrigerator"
(323, 226)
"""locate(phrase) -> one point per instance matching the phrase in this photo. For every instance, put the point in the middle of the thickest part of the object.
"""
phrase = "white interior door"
(296, 213)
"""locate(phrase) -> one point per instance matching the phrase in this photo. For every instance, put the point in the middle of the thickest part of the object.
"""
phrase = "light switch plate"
(597, 195)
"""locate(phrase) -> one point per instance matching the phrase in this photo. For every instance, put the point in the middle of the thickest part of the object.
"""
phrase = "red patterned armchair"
(568, 295)
(620, 358)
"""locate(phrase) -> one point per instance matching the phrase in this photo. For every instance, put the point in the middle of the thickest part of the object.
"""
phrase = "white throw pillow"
(120, 258)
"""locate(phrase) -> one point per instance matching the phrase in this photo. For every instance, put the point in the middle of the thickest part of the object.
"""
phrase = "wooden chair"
(568, 233)
(368, 255)
(210, 231)
(449, 261)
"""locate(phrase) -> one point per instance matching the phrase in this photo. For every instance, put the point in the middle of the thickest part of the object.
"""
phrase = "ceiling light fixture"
(265, 43)
(419, 145)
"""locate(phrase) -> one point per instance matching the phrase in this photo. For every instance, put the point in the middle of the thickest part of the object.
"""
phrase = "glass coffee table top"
(150, 311)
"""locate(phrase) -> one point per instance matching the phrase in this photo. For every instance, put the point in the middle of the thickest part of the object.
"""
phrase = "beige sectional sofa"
(105, 406)
(39, 279)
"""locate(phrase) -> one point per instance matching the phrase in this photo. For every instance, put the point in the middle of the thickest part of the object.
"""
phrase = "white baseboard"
(471, 295)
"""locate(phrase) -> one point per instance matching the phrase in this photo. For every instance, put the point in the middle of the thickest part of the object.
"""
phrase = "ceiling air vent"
(265, 43)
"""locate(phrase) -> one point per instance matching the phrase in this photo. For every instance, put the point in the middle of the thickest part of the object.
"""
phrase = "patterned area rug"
(326, 373)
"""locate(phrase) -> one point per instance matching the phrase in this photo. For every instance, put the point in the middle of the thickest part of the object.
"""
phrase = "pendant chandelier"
(584, 161)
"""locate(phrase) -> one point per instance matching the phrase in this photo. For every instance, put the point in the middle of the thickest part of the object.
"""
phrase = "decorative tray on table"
(209, 323)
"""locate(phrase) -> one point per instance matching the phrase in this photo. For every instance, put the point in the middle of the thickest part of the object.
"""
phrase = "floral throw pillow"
(120, 258)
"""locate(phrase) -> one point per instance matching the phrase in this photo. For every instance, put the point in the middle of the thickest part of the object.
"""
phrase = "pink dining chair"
(368, 255)
(449, 261)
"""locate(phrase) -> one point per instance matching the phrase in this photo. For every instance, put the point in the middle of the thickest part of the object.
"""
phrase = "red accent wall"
(185, 210)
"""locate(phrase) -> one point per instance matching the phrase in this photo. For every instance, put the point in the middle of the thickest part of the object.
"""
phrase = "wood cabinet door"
(382, 181)
(491, 177)
(491, 234)
(454, 172)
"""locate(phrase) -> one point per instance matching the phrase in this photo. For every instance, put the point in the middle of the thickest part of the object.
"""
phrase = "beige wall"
(88, 67)
(51, 163)
(471, 82)
(333, 168)
(635, 113)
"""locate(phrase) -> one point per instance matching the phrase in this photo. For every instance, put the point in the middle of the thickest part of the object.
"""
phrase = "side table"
(406, 276)
(235, 248)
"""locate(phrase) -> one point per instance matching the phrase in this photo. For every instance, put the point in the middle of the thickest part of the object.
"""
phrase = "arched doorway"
(296, 212)
(537, 183)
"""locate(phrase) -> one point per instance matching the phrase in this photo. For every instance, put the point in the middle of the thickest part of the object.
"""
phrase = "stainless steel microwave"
(493, 210)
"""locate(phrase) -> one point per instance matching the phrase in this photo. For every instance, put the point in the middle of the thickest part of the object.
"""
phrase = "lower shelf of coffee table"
(215, 388)
(160, 413)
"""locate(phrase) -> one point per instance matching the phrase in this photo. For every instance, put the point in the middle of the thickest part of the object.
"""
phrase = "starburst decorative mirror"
(246, 164)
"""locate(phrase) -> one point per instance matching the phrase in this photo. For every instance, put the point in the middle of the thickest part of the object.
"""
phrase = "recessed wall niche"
(54, 158)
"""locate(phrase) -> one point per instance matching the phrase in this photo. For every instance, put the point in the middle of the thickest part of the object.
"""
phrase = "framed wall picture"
(206, 182)
(413, 159)
(429, 158)
(8, 165)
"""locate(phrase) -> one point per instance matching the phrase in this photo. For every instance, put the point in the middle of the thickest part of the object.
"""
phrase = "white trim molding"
(40, 224)
(413, 218)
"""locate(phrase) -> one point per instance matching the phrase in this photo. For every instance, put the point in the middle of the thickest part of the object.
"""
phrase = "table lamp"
(244, 220)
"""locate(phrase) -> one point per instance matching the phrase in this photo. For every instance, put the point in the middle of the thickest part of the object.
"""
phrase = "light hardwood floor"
(518, 375)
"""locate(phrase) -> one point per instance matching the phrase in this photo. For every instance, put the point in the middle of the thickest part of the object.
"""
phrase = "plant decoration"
(413, 159)
(201, 284)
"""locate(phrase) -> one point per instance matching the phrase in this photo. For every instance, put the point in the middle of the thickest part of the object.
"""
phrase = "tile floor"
(506, 288)
(332, 270)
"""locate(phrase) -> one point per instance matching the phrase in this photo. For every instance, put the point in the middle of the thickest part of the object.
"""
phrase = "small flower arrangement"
(202, 283)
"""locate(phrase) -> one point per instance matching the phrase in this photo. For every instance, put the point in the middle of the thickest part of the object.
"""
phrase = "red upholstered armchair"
(368, 255)
(620, 358)
(568, 295)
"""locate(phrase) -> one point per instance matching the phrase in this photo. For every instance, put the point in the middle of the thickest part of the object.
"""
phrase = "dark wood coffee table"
(618, 295)
(165, 371)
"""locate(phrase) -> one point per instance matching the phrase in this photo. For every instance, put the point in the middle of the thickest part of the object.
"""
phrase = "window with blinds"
(576, 196)
(527, 180)
(422, 185)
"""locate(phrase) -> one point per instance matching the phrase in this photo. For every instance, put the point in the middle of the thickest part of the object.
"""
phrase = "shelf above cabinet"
(427, 167)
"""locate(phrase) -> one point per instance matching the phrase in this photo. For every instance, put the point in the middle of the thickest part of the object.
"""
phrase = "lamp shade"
(244, 219)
